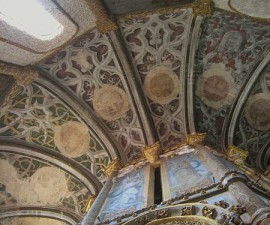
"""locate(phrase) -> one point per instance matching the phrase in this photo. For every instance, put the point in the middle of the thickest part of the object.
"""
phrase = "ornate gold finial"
(115, 165)
(152, 152)
(202, 7)
(196, 138)
(89, 203)
(23, 76)
(104, 24)
(236, 155)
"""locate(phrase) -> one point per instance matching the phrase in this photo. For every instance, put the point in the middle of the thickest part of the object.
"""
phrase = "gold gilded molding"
(23, 76)
(104, 24)
(152, 152)
(196, 139)
(115, 165)
(236, 155)
(90, 202)
(187, 211)
(202, 7)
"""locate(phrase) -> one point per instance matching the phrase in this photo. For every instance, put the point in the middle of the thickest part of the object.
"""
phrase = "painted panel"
(183, 174)
(129, 193)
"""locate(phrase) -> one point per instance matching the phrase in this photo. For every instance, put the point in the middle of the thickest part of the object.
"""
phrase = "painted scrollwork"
(155, 62)
(90, 69)
(38, 117)
(237, 44)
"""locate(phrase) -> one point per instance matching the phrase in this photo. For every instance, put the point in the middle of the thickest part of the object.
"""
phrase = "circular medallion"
(253, 8)
(72, 139)
(48, 185)
(110, 102)
(216, 87)
(257, 111)
(161, 85)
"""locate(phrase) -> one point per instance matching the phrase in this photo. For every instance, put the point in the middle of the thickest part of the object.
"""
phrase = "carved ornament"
(152, 152)
(237, 155)
(115, 165)
(89, 203)
(162, 214)
(222, 204)
(104, 24)
(196, 139)
(142, 220)
(187, 211)
(208, 212)
(202, 7)
(238, 209)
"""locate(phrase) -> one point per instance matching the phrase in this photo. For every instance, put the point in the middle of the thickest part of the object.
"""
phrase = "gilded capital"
(103, 22)
(236, 155)
(23, 76)
(115, 165)
(202, 7)
(152, 152)
(89, 203)
(196, 139)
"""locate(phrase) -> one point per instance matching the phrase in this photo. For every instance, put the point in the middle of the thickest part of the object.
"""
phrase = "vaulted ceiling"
(162, 73)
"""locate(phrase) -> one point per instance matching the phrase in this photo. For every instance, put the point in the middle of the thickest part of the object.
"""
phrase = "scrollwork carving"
(208, 212)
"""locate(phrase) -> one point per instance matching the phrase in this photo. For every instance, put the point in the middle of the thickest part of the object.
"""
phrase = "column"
(111, 171)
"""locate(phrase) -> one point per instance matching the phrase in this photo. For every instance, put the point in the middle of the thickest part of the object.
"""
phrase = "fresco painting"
(185, 173)
(127, 195)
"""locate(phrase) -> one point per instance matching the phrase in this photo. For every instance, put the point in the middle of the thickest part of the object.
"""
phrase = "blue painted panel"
(185, 173)
(126, 196)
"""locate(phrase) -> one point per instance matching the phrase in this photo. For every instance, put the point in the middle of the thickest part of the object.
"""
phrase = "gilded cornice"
(202, 7)
(237, 155)
(152, 152)
(23, 76)
(196, 139)
(103, 22)
(115, 165)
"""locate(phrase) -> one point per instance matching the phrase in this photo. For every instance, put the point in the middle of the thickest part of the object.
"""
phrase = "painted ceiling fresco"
(161, 75)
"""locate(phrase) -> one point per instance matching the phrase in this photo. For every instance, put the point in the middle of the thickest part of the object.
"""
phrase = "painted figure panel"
(186, 173)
